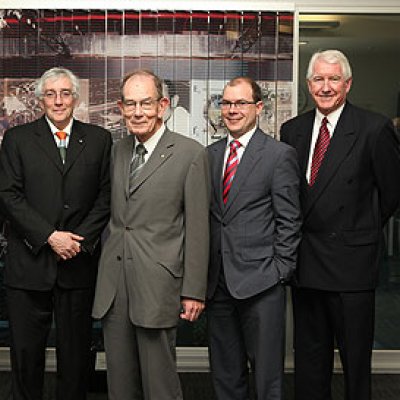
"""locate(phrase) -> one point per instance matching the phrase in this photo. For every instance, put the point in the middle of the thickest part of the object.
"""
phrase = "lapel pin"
(162, 156)
(80, 141)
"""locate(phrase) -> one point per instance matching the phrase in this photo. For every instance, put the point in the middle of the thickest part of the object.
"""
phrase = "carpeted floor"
(197, 386)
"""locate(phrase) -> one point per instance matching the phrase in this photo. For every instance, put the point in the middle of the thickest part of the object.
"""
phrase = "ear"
(120, 106)
(41, 104)
(162, 106)
(348, 84)
(309, 86)
(259, 107)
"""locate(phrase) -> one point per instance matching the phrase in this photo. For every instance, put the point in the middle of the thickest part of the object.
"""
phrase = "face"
(58, 102)
(327, 86)
(141, 108)
(240, 117)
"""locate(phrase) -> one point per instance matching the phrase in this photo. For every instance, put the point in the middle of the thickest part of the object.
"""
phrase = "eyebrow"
(147, 98)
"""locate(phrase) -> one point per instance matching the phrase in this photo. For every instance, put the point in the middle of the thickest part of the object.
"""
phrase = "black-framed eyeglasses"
(240, 104)
(146, 104)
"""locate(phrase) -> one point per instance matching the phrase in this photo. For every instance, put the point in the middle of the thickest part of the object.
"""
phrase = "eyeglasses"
(320, 80)
(240, 104)
(146, 104)
(64, 94)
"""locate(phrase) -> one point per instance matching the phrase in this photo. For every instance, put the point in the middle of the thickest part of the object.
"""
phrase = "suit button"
(128, 228)
(66, 206)
(119, 258)
(332, 235)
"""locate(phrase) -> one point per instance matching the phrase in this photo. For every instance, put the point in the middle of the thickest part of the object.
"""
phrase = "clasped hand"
(65, 244)
(191, 309)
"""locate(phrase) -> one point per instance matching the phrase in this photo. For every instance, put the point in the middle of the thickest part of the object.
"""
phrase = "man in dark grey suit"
(153, 268)
(255, 224)
(350, 164)
(55, 194)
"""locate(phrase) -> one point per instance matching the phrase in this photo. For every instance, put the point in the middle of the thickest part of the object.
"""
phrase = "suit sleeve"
(386, 166)
(286, 206)
(27, 221)
(196, 210)
(93, 224)
(285, 133)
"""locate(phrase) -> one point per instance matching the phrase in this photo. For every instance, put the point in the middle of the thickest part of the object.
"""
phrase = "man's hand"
(191, 309)
(65, 244)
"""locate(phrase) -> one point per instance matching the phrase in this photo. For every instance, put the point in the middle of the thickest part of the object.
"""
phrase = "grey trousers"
(141, 362)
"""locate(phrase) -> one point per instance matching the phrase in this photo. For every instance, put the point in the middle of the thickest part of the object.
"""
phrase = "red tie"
(319, 151)
(230, 169)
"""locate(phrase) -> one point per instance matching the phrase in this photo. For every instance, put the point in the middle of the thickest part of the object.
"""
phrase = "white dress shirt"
(243, 140)
(333, 119)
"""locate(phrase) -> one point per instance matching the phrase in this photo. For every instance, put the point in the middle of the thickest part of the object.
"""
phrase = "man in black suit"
(55, 193)
(350, 162)
(255, 230)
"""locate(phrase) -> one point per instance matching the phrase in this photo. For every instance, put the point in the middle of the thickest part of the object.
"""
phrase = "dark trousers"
(30, 317)
(320, 317)
(245, 330)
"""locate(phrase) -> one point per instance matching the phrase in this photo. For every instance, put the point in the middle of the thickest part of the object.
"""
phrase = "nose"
(58, 98)
(326, 87)
(138, 109)
(232, 108)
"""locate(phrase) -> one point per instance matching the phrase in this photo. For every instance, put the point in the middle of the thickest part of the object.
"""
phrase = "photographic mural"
(196, 53)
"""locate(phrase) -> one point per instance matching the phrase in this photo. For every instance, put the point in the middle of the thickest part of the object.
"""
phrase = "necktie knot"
(234, 145)
(61, 135)
(140, 150)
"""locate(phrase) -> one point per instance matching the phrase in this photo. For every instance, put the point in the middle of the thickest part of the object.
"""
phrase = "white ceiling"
(367, 33)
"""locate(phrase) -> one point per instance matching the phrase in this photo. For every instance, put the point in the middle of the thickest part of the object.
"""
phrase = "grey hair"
(54, 74)
(330, 57)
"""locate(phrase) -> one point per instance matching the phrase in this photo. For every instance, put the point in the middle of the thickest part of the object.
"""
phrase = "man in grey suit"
(255, 223)
(153, 268)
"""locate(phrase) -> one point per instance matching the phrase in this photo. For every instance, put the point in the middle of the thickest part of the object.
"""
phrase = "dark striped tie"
(230, 169)
(320, 149)
(136, 165)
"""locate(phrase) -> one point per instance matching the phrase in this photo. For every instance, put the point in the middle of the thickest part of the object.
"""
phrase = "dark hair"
(255, 88)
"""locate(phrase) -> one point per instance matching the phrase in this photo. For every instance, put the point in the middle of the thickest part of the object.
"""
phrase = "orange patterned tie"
(63, 145)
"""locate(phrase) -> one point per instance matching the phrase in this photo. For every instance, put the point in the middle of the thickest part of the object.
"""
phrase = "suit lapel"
(342, 142)
(218, 156)
(126, 154)
(45, 140)
(304, 141)
(250, 157)
(161, 153)
(76, 144)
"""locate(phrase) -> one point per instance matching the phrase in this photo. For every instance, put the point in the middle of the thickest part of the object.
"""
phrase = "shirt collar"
(333, 117)
(244, 139)
(151, 143)
(54, 129)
